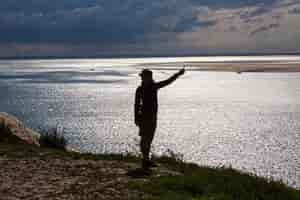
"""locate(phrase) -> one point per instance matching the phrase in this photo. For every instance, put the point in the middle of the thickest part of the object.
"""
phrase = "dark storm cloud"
(103, 21)
(188, 24)
(258, 12)
(289, 3)
(48, 6)
(265, 28)
(295, 11)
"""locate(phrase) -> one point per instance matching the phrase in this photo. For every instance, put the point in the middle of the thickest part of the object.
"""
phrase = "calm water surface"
(249, 121)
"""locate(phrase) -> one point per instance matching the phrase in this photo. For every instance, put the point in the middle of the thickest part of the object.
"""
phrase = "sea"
(248, 121)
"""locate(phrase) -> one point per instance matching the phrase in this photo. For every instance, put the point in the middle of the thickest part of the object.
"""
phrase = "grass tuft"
(53, 139)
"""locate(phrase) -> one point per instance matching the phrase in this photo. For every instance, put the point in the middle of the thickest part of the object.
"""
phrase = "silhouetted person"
(145, 110)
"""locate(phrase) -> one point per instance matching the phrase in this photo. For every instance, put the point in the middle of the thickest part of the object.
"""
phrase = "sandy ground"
(63, 179)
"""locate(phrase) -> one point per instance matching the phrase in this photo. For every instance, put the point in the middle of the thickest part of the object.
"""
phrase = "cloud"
(101, 21)
(265, 28)
(92, 21)
(254, 13)
(286, 3)
(275, 30)
(294, 11)
(95, 27)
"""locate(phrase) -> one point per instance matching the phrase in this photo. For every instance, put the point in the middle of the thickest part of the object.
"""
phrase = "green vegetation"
(205, 183)
(53, 139)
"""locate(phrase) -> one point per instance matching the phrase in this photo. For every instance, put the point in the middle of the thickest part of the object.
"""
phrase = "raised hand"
(182, 71)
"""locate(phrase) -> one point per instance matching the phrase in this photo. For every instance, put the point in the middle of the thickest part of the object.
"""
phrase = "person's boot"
(152, 163)
(146, 164)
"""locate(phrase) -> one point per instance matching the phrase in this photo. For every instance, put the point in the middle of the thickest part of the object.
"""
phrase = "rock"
(13, 130)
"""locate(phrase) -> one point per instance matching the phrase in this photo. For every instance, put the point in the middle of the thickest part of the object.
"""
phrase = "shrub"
(4, 133)
(7, 136)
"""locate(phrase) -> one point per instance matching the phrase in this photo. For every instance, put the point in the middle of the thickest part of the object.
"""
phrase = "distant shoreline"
(239, 64)
(132, 56)
(239, 67)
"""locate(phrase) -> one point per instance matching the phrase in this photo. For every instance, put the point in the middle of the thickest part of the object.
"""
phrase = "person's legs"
(145, 145)
(147, 135)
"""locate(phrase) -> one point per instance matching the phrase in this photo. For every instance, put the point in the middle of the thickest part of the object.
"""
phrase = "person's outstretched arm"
(164, 83)
(137, 107)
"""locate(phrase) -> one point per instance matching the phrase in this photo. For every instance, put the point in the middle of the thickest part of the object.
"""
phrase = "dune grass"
(53, 139)
(194, 182)
(206, 183)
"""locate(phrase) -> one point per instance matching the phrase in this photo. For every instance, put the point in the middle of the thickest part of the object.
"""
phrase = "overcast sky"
(160, 27)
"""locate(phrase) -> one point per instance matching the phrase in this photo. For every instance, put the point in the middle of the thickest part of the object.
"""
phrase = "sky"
(84, 28)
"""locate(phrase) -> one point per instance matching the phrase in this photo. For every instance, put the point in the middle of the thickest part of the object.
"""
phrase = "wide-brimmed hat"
(145, 72)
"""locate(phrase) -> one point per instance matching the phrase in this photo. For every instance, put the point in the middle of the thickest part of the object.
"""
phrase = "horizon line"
(114, 56)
